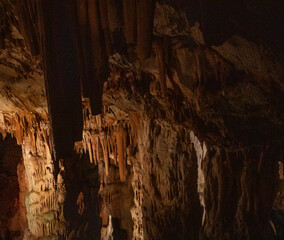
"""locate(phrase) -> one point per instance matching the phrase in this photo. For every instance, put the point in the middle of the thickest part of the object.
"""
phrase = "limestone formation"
(141, 119)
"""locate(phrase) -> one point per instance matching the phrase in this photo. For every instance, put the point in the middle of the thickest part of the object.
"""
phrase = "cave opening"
(12, 206)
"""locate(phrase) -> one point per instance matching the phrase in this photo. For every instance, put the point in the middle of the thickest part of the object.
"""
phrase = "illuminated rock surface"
(141, 120)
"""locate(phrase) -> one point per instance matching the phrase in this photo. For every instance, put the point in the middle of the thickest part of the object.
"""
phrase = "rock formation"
(141, 119)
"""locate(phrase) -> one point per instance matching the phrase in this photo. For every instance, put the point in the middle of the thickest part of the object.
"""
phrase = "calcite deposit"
(141, 119)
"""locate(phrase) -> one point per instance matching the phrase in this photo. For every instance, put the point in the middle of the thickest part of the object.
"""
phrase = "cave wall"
(167, 191)
(238, 179)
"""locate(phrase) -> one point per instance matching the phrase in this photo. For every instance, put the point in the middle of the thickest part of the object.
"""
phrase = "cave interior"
(141, 119)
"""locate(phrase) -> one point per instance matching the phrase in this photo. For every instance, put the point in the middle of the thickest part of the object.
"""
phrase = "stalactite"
(281, 170)
(103, 140)
(121, 137)
(26, 12)
(41, 197)
(107, 36)
(99, 55)
(130, 18)
(84, 142)
(85, 55)
(4, 133)
(114, 14)
(97, 147)
(93, 145)
(160, 56)
(111, 147)
(114, 8)
(99, 121)
(105, 25)
(2, 39)
(103, 13)
(145, 21)
(114, 148)
(61, 76)
(90, 150)
(18, 134)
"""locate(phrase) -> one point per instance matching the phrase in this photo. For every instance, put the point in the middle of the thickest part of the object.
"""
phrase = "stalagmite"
(130, 18)
(145, 19)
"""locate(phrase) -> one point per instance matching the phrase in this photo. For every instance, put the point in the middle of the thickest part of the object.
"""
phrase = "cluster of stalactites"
(134, 19)
(43, 202)
(31, 127)
(109, 145)
(74, 38)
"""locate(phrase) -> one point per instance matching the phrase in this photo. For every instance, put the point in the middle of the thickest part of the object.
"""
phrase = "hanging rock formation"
(144, 119)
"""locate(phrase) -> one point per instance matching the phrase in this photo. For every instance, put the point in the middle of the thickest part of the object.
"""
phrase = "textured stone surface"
(199, 123)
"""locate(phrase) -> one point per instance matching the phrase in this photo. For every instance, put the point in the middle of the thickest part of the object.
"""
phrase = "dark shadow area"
(277, 215)
(81, 209)
(10, 157)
